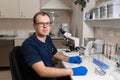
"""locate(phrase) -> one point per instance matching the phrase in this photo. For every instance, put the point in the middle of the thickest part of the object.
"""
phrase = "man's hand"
(80, 71)
(75, 59)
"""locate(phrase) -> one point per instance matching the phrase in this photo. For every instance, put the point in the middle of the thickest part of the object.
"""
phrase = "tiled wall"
(111, 36)
(19, 26)
(61, 16)
(108, 34)
(24, 26)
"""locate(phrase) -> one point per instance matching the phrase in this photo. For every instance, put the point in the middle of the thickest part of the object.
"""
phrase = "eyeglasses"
(44, 24)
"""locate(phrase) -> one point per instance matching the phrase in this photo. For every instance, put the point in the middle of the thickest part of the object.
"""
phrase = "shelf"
(104, 22)
(103, 19)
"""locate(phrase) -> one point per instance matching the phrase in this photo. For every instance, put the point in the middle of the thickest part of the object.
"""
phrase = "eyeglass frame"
(43, 23)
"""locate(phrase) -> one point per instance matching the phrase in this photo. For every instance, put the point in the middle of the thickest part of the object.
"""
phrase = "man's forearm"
(61, 56)
(51, 72)
(56, 72)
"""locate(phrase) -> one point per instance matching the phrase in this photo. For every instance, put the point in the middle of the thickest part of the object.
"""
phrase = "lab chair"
(15, 60)
(17, 64)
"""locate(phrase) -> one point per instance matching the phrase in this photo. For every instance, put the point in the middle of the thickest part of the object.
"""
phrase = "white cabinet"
(1, 9)
(9, 8)
(19, 8)
(5, 46)
(28, 8)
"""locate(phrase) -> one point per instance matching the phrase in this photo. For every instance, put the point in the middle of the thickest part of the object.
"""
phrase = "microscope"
(71, 42)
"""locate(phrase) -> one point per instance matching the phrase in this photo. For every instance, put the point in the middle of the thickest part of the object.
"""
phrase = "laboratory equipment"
(65, 27)
(100, 71)
(118, 62)
(98, 46)
(100, 64)
(72, 42)
(89, 47)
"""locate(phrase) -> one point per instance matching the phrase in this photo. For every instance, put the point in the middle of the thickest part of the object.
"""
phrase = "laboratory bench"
(112, 73)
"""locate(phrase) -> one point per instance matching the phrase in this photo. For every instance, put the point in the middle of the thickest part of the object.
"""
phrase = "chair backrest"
(15, 60)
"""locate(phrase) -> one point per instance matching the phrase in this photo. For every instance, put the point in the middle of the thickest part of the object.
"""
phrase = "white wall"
(88, 32)
(77, 21)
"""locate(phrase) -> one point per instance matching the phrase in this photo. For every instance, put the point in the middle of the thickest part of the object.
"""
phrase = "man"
(39, 50)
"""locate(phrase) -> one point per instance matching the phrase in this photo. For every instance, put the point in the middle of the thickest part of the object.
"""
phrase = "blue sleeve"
(30, 54)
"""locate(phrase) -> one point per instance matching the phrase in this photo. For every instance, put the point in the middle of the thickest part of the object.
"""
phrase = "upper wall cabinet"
(9, 8)
(28, 8)
(19, 8)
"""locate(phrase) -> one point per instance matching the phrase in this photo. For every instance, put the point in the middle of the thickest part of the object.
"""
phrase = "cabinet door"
(29, 7)
(1, 9)
(5, 47)
(10, 8)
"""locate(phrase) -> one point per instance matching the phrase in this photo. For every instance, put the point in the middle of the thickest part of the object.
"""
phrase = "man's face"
(42, 25)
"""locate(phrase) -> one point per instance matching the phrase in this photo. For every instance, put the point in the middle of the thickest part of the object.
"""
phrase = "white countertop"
(111, 74)
(22, 37)
(12, 38)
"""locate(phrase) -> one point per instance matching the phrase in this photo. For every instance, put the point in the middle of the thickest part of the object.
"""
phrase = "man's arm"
(51, 72)
(61, 56)
(72, 59)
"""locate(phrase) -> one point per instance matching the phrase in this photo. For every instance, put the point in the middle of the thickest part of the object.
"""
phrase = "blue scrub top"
(35, 51)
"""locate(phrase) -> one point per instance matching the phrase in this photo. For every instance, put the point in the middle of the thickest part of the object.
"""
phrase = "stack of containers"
(108, 9)
(113, 9)
(103, 10)
(97, 12)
